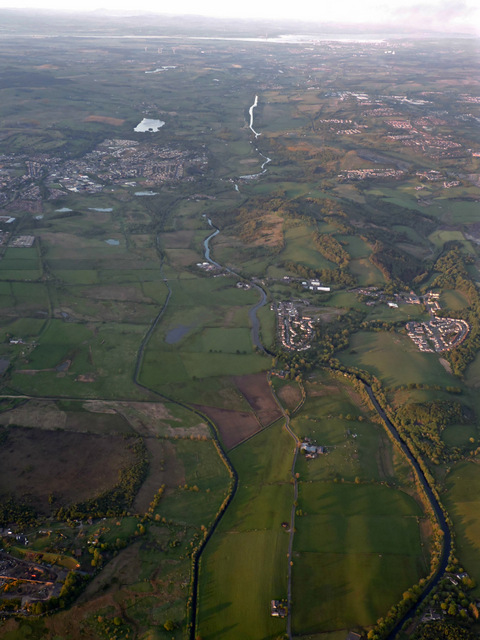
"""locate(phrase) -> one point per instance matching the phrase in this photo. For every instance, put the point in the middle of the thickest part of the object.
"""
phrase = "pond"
(149, 125)
(177, 333)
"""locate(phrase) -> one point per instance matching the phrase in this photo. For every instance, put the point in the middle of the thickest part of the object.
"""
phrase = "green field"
(394, 359)
(250, 545)
(366, 273)
(366, 537)
(364, 534)
(198, 340)
(299, 248)
(463, 504)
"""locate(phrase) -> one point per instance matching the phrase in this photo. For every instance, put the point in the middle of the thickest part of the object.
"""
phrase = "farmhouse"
(311, 450)
(278, 608)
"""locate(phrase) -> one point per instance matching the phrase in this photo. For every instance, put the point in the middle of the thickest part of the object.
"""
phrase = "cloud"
(446, 16)
(439, 15)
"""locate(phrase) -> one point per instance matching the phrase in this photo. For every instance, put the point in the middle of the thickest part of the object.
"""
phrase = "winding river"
(255, 322)
(266, 159)
(432, 499)
(250, 111)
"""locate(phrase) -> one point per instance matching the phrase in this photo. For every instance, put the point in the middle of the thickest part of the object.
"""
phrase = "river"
(263, 170)
(255, 322)
(447, 538)
(250, 111)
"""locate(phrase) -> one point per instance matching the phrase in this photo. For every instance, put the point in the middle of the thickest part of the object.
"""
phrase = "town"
(295, 330)
(113, 161)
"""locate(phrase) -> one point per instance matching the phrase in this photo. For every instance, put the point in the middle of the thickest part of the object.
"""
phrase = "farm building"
(278, 608)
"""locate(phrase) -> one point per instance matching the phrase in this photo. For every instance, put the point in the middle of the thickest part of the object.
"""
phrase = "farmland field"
(155, 424)
(394, 359)
(464, 506)
(249, 539)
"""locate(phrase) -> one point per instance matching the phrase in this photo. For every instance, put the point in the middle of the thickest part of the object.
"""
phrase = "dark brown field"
(234, 426)
(290, 395)
(257, 392)
(116, 122)
(71, 466)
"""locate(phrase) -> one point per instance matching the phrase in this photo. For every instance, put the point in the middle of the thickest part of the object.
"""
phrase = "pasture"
(204, 333)
(394, 359)
(356, 447)
(463, 505)
(299, 248)
(364, 534)
(250, 544)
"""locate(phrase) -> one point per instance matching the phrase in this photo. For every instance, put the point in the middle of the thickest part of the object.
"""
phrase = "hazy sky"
(443, 15)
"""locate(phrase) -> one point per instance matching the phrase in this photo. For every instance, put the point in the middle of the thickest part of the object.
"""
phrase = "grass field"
(366, 533)
(366, 273)
(357, 544)
(198, 340)
(394, 359)
(440, 237)
(463, 504)
(299, 248)
(454, 300)
(244, 565)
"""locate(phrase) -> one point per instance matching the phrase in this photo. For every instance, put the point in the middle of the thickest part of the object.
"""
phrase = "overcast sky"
(443, 15)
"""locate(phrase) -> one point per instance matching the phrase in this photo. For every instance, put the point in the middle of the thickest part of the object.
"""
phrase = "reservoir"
(147, 125)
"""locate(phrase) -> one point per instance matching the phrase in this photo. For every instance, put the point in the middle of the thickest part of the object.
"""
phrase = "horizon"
(430, 16)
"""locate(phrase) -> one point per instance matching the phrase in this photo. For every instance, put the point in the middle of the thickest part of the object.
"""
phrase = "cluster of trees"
(12, 510)
(443, 630)
(434, 387)
(155, 502)
(333, 213)
(337, 277)
(381, 213)
(422, 423)
(331, 249)
(395, 265)
(453, 274)
(73, 584)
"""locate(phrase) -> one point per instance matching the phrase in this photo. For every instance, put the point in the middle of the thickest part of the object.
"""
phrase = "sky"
(437, 15)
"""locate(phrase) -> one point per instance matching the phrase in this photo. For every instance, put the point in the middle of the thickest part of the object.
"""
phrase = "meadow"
(250, 544)
(461, 500)
(394, 359)
(347, 520)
